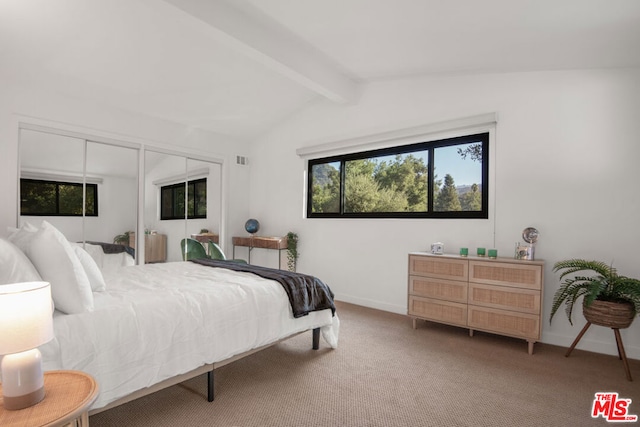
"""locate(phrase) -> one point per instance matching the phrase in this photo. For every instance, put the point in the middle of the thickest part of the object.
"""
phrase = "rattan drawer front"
(439, 311)
(448, 290)
(503, 273)
(440, 267)
(514, 299)
(504, 322)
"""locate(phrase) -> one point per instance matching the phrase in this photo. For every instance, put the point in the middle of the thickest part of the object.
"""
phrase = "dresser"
(155, 247)
(501, 296)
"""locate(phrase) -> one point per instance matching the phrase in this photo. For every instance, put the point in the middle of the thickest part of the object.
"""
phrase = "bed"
(151, 326)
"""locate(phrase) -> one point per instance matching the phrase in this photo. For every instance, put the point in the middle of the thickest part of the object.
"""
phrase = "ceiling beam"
(272, 45)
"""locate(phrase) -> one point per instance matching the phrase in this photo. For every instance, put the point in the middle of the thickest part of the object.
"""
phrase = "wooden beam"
(272, 45)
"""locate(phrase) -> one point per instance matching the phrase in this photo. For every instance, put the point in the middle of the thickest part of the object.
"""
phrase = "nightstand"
(68, 395)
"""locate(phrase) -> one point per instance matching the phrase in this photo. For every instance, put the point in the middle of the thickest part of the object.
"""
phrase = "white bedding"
(157, 321)
(108, 263)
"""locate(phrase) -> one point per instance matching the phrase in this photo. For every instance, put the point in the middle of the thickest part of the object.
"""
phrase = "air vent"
(242, 160)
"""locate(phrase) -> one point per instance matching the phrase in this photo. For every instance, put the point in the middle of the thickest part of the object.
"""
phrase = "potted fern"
(610, 299)
(122, 239)
(292, 250)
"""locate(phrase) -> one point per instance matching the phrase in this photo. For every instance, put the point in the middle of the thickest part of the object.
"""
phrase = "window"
(436, 179)
(172, 200)
(54, 198)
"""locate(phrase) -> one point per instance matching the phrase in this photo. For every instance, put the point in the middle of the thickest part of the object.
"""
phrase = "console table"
(278, 243)
(205, 237)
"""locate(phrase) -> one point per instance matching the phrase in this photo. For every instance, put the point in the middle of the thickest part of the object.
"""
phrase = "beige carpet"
(384, 373)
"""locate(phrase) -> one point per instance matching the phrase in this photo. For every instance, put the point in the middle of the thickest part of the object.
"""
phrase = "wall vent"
(242, 160)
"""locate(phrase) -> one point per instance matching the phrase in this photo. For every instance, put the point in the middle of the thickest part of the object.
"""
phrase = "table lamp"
(26, 322)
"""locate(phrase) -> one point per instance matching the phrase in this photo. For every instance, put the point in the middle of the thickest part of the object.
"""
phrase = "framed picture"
(437, 248)
(524, 252)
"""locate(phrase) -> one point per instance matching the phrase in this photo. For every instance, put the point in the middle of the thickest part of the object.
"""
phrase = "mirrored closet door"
(117, 169)
(204, 201)
(51, 179)
(54, 170)
(182, 201)
(181, 196)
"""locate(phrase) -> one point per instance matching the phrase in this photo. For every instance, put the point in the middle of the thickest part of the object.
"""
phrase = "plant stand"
(621, 354)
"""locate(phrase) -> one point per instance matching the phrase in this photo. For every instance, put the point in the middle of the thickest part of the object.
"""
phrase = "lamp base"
(22, 379)
(21, 402)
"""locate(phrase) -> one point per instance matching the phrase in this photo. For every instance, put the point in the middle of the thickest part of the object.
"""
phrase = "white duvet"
(157, 321)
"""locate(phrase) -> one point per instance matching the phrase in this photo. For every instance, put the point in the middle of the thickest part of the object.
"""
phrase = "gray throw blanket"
(113, 248)
(306, 293)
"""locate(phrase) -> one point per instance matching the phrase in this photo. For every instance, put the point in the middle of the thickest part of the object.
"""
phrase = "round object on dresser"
(252, 226)
(530, 235)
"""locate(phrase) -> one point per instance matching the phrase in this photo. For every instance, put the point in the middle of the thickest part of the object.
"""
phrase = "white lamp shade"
(26, 320)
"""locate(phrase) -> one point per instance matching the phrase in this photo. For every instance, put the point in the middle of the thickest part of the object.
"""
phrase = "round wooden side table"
(67, 397)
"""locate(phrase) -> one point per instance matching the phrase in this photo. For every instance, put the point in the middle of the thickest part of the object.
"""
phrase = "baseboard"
(589, 344)
(372, 304)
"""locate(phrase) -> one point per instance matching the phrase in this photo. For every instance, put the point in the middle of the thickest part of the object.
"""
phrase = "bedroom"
(565, 155)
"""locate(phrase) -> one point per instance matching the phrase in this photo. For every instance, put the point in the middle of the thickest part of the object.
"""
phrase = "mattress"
(156, 321)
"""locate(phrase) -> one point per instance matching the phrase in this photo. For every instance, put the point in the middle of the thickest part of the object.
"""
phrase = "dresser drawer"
(518, 275)
(434, 266)
(449, 290)
(521, 325)
(437, 310)
(513, 299)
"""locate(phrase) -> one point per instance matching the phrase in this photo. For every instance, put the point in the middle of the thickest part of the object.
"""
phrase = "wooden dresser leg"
(575, 342)
(530, 347)
(415, 323)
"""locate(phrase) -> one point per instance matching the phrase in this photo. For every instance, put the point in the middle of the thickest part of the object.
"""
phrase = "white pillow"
(15, 267)
(91, 268)
(23, 236)
(59, 265)
(95, 251)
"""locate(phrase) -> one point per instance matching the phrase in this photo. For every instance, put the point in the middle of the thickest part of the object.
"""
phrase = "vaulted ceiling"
(240, 67)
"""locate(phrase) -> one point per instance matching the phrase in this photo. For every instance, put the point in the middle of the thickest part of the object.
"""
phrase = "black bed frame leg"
(316, 338)
(210, 386)
(210, 391)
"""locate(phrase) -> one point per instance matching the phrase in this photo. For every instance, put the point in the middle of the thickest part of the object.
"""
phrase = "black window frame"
(56, 212)
(429, 146)
(173, 188)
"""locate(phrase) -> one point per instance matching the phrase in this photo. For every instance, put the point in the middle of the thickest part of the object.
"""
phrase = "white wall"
(45, 107)
(566, 162)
